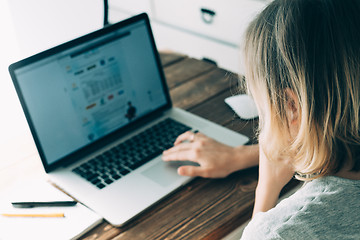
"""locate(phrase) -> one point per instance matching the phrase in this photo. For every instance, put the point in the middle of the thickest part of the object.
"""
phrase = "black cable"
(106, 13)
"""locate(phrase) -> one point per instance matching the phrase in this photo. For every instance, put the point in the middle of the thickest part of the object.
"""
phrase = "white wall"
(30, 26)
(12, 121)
(41, 24)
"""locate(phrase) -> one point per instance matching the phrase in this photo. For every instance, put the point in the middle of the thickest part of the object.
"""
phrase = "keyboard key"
(124, 172)
(116, 177)
(108, 181)
(131, 154)
(95, 181)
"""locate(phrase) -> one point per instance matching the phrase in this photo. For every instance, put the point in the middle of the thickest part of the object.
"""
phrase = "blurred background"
(206, 29)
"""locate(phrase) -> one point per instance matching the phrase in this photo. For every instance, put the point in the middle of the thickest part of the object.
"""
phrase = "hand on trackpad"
(165, 173)
(177, 164)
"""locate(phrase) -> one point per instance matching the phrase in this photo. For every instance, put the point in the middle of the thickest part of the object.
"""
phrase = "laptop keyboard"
(120, 160)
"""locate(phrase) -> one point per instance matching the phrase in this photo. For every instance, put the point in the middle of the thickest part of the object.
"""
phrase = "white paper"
(78, 219)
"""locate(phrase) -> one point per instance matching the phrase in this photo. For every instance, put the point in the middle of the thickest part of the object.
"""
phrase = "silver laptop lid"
(83, 94)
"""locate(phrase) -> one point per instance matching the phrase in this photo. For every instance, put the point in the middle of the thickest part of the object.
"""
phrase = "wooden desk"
(205, 208)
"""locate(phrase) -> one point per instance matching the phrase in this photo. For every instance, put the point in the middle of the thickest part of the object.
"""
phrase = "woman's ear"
(292, 107)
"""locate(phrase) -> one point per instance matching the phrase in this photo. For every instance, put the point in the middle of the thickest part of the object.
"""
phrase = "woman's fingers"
(189, 137)
(215, 159)
(180, 152)
(186, 136)
(191, 171)
(179, 147)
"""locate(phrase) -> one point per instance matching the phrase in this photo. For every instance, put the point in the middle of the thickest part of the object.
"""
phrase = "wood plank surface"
(204, 208)
(200, 88)
(168, 58)
(183, 71)
(195, 211)
(216, 110)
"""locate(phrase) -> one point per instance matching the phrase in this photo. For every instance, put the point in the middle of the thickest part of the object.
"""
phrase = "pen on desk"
(44, 204)
(42, 215)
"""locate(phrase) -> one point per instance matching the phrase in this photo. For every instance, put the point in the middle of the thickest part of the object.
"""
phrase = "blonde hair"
(313, 48)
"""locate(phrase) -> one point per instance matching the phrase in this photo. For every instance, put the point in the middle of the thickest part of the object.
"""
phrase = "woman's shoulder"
(328, 206)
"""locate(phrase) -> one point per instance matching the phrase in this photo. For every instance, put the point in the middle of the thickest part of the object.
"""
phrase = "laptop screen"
(81, 94)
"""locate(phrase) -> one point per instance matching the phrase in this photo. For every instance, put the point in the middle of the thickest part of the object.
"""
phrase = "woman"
(303, 70)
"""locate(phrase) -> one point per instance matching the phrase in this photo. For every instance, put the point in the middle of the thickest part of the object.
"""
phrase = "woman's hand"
(215, 159)
(273, 176)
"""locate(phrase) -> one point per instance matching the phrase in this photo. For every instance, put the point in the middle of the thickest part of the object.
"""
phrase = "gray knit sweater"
(325, 208)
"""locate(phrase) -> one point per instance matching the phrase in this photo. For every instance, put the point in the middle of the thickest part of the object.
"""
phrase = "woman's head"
(303, 69)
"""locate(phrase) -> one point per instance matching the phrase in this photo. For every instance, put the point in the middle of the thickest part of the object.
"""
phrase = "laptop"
(100, 113)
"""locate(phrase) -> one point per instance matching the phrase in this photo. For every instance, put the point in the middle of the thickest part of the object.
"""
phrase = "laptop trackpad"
(163, 173)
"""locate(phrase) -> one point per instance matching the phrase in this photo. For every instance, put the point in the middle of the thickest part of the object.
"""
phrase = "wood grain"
(168, 58)
(216, 110)
(192, 212)
(204, 208)
(200, 89)
(183, 71)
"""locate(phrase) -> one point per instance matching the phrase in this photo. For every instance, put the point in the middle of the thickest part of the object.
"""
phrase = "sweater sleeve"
(260, 227)
(326, 208)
